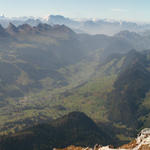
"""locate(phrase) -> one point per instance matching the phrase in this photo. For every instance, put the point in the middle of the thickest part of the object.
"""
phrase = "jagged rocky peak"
(43, 27)
(40, 28)
(142, 142)
(25, 28)
(3, 33)
(11, 28)
(62, 28)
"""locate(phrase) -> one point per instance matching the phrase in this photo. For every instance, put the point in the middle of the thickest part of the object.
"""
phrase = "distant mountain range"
(99, 26)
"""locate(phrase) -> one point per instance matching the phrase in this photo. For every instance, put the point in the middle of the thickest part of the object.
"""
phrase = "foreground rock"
(142, 142)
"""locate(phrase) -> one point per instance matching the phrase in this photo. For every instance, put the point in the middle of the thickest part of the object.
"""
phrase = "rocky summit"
(142, 142)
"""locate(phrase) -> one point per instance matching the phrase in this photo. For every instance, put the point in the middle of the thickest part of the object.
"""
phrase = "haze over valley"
(74, 84)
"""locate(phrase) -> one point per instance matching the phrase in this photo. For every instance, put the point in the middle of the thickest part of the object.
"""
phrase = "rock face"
(142, 142)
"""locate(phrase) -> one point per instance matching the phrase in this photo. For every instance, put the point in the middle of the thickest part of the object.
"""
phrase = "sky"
(132, 10)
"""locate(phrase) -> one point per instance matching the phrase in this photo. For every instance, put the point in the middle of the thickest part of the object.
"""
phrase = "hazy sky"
(138, 10)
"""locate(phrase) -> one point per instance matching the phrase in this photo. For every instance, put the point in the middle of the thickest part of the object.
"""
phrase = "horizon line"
(73, 18)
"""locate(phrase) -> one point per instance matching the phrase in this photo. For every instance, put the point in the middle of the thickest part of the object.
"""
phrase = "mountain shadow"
(130, 88)
(75, 128)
